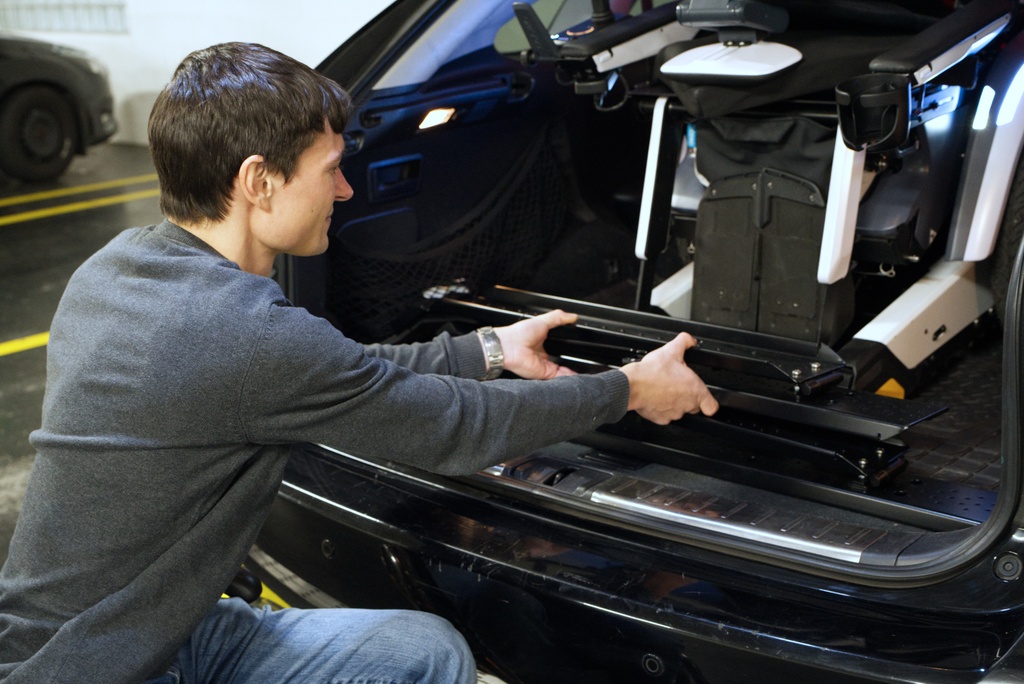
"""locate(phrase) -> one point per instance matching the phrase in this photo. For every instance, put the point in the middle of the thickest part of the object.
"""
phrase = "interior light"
(1008, 108)
(436, 117)
(984, 107)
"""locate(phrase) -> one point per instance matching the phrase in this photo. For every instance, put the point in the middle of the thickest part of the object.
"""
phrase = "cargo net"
(373, 294)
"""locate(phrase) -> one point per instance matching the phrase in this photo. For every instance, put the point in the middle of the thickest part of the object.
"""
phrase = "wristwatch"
(492, 352)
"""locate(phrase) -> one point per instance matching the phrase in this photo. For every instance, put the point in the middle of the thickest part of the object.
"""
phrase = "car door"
(425, 212)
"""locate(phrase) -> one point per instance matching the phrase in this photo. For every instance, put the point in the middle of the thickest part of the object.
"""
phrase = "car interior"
(825, 194)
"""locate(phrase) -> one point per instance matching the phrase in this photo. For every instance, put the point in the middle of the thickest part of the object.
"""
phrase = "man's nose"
(342, 190)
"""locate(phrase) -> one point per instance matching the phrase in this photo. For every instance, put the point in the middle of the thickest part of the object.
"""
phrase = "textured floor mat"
(962, 445)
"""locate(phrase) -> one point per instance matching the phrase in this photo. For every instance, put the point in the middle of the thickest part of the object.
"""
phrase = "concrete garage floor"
(46, 231)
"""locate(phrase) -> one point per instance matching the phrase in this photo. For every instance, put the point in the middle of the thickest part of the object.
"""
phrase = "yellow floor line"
(24, 344)
(75, 190)
(270, 596)
(24, 216)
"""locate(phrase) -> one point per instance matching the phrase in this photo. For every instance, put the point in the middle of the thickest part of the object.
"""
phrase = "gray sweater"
(175, 383)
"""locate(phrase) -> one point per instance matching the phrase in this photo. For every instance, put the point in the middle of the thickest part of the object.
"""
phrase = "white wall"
(161, 33)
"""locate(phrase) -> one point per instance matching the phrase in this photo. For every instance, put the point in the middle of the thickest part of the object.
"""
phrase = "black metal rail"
(784, 396)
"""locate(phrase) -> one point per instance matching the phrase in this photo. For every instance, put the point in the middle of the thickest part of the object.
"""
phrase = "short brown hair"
(225, 103)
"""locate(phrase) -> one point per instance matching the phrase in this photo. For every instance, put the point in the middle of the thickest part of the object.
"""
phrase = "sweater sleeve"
(446, 355)
(309, 383)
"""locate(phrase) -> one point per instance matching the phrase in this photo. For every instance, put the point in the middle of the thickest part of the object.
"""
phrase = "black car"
(829, 196)
(55, 102)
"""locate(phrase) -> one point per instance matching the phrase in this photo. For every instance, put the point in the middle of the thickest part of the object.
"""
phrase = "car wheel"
(38, 135)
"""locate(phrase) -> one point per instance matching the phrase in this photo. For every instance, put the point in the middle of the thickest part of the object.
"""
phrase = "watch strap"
(493, 354)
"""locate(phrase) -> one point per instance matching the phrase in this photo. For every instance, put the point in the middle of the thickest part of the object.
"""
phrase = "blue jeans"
(238, 644)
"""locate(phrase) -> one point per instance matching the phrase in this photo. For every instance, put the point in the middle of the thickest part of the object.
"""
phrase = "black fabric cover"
(730, 146)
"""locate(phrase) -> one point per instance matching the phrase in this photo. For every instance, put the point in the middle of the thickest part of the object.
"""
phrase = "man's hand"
(523, 345)
(662, 388)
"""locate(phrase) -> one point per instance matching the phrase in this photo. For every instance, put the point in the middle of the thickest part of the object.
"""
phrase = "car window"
(476, 22)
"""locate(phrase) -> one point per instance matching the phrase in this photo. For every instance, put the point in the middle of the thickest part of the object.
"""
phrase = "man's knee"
(443, 648)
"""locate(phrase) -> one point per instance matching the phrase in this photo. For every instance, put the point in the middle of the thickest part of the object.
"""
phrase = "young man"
(178, 375)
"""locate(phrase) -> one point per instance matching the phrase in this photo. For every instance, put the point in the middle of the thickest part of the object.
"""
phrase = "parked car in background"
(829, 195)
(55, 102)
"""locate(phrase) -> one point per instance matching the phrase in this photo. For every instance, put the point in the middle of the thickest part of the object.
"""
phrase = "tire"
(38, 134)
(1009, 240)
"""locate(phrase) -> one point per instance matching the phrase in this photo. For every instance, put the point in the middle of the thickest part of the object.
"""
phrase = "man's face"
(302, 207)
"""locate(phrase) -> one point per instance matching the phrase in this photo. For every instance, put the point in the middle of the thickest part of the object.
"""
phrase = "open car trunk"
(822, 520)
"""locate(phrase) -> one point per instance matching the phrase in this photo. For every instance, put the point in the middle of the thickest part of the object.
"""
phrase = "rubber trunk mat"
(963, 444)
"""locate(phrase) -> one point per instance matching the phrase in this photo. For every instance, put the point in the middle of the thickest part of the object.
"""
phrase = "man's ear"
(255, 182)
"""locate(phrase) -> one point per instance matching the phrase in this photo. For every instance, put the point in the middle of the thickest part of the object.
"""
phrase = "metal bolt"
(652, 664)
(1008, 567)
